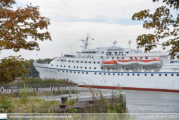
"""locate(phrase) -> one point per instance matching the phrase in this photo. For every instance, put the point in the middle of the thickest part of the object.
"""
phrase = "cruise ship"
(113, 67)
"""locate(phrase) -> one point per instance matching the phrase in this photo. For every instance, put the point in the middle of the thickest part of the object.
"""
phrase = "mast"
(85, 41)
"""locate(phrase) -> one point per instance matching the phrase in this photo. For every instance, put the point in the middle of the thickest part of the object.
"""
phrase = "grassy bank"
(32, 80)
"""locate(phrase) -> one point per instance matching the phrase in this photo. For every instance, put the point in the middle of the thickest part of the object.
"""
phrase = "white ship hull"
(126, 80)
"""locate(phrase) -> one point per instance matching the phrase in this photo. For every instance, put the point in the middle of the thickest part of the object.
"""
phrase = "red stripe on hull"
(129, 88)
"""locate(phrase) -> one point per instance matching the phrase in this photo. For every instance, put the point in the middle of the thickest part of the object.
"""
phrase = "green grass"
(29, 81)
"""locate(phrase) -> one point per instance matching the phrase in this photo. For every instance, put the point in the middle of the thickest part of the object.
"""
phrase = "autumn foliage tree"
(16, 28)
(165, 25)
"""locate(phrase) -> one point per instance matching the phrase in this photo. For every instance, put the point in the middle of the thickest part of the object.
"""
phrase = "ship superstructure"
(111, 67)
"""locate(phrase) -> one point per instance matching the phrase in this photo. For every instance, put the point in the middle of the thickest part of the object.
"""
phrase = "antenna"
(129, 43)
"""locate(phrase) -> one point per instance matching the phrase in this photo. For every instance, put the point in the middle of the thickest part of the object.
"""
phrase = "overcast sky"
(71, 20)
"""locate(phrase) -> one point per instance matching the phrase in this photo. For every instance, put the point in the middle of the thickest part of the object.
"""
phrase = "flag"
(86, 38)
(92, 38)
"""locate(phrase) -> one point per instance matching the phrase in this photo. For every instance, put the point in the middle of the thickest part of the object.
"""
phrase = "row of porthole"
(82, 61)
(116, 73)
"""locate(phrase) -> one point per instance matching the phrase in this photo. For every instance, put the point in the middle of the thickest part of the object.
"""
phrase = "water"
(152, 102)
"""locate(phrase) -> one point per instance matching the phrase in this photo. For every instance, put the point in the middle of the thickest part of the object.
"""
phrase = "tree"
(166, 26)
(16, 27)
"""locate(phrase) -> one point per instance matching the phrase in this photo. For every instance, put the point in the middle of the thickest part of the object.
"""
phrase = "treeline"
(32, 71)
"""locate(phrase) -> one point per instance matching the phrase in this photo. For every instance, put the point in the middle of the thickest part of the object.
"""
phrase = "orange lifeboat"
(112, 62)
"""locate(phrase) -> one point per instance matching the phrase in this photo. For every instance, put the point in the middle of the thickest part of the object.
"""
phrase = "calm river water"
(152, 102)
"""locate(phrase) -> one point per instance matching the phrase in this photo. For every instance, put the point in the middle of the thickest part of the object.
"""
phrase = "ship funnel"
(129, 43)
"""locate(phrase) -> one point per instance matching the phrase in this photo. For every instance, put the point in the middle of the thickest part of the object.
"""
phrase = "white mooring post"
(70, 91)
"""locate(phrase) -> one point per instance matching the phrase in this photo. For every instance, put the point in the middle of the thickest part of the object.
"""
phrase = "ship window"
(159, 74)
(112, 57)
(89, 67)
(82, 72)
(108, 73)
(78, 72)
(127, 74)
(94, 67)
(140, 57)
(57, 65)
(74, 72)
(85, 61)
(177, 74)
(151, 74)
(72, 61)
(104, 73)
(81, 67)
(113, 73)
(64, 65)
(122, 57)
(122, 74)
(165, 74)
(131, 68)
(101, 68)
(60, 65)
(145, 74)
(52, 64)
(77, 67)
(77, 61)
(81, 61)
(94, 62)
(69, 60)
(62, 71)
(86, 72)
(117, 57)
(73, 66)
(138, 74)
(89, 61)
(92, 57)
(62, 60)
(58, 70)
(146, 57)
(130, 57)
(171, 74)
(107, 57)
(95, 73)
(98, 62)
(133, 74)
(69, 66)
(70, 71)
(99, 73)
(67, 71)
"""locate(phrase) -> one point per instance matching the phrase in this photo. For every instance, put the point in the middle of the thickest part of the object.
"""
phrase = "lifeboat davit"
(127, 62)
(109, 63)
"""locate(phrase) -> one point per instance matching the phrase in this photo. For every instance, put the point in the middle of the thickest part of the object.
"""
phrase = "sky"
(71, 20)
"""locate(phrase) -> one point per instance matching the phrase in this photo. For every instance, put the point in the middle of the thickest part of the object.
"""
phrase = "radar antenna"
(114, 43)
